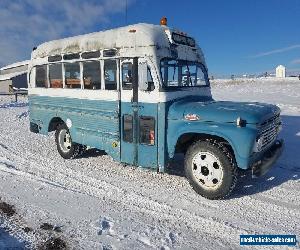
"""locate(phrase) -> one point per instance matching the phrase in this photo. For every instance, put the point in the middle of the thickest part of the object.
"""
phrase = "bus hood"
(223, 111)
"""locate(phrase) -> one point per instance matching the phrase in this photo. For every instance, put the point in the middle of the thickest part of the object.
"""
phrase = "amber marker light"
(163, 21)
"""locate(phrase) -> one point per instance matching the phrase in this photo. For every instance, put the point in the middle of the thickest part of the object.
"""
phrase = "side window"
(91, 75)
(55, 75)
(200, 81)
(150, 80)
(145, 78)
(147, 130)
(128, 128)
(72, 75)
(110, 74)
(41, 77)
(127, 76)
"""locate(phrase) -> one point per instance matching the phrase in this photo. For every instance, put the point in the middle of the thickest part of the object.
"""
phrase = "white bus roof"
(132, 36)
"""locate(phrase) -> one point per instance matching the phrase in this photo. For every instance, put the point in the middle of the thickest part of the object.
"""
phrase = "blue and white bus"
(142, 94)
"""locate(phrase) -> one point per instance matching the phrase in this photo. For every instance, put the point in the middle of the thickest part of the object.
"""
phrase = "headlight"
(258, 144)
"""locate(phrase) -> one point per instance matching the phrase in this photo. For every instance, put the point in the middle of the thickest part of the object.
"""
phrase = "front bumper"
(269, 158)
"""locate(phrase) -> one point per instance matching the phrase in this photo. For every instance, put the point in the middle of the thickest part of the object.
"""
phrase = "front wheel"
(65, 146)
(210, 169)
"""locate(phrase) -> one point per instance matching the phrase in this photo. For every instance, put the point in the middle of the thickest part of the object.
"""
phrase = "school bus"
(142, 94)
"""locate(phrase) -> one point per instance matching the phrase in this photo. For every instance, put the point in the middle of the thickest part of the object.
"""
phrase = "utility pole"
(126, 22)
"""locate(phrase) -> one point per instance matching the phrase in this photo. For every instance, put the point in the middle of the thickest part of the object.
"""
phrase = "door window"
(128, 128)
(127, 76)
(147, 130)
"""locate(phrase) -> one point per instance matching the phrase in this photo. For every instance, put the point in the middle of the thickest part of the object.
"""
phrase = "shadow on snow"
(9, 242)
(14, 105)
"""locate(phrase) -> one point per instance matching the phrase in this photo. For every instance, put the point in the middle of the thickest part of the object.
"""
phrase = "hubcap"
(207, 170)
(64, 140)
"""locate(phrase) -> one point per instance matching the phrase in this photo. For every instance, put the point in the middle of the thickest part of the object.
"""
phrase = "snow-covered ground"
(100, 204)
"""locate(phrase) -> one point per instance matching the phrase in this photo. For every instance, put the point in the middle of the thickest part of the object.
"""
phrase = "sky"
(236, 36)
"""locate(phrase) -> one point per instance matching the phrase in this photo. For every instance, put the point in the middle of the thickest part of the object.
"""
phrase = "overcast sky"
(237, 36)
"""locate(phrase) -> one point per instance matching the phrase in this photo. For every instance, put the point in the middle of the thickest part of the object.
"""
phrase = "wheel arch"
(54, 122)
(187, 139)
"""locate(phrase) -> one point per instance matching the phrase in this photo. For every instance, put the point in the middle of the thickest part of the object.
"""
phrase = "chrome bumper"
(269, 158)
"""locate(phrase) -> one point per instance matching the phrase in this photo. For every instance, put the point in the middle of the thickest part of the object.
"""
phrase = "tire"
(65, 146)
(210, 169)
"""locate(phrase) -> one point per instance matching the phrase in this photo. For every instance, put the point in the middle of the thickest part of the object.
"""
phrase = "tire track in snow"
(99, 189)
(109, 191)
(143, 205)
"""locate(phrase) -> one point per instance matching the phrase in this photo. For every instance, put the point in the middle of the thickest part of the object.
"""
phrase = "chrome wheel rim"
(64, 140)
(207, 170)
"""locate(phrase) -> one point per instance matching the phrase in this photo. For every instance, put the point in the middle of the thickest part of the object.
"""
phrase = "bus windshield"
(181, 73)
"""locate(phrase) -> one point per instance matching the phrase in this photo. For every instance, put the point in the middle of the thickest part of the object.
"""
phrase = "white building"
(13, 76)
(280, 71)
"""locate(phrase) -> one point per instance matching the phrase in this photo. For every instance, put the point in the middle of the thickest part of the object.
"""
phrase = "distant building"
(13, 76)
(280, 71)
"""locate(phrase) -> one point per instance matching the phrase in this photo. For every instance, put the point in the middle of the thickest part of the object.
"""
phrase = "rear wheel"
(210, 169)
(65, 146)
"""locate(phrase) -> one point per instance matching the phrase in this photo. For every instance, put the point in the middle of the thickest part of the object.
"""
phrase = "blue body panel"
(99, 124)
(240, 139)
(94, 123)
(146, 154)
(223, 111)
(219, 119)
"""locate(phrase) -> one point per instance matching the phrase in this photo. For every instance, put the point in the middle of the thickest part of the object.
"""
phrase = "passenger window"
(128, 128)
(91, 54)
(110, 74)
(71, 56)
(41, 77)
(147, 130)
(54, 58)
(127, 76)
(55, 75)
(91, 75)
(72, 75)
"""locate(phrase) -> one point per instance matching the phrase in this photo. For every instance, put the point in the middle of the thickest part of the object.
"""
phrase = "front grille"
(269, 130)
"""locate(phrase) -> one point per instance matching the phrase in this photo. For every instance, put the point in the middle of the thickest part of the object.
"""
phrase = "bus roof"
(132, 36)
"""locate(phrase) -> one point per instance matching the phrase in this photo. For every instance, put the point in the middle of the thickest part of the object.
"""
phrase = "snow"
(100, 204)
(11, 75)
(141, 35)
(15, 65)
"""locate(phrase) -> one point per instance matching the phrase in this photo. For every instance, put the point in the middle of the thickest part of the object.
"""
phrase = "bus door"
(138, 115)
